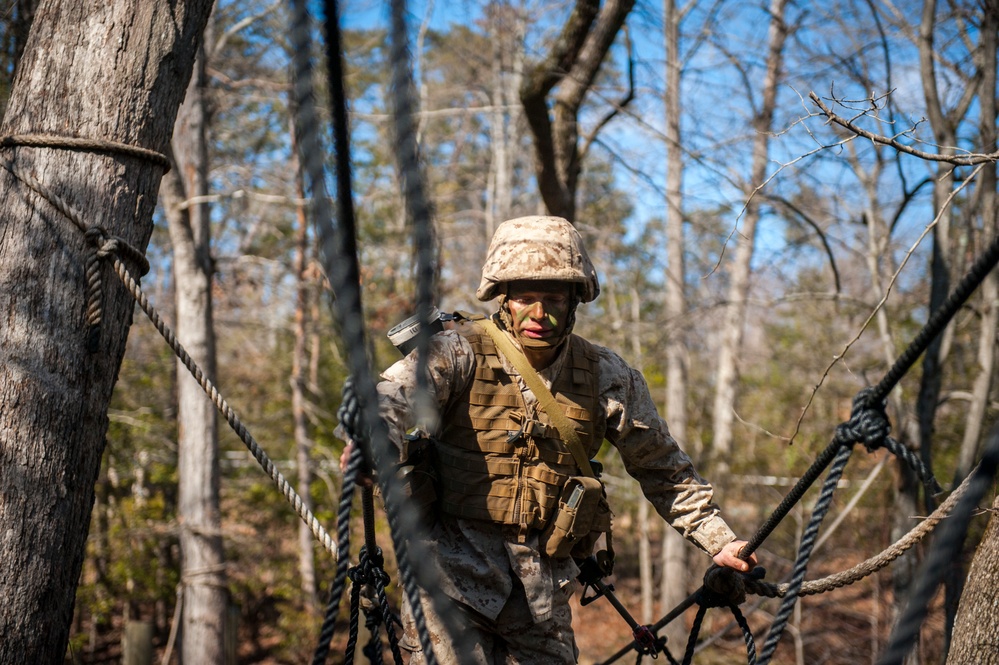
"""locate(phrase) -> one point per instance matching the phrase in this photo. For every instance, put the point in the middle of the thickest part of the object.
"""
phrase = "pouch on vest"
(582, 515)
(418, 476)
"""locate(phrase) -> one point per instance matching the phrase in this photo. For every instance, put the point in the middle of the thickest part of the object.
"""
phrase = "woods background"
(760, 262)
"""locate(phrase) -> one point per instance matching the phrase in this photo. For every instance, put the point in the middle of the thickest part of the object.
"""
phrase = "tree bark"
(673, 588)
(572, 64)
(986, 190)
(976, 631)
(112, 71)
(303, 444)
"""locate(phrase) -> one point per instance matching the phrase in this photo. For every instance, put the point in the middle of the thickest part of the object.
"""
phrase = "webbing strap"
(545, 398)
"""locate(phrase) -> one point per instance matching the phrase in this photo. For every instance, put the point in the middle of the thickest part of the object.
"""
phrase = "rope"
(339, 258)
(707, 599)
(871, 565)
(869, 425)
(354, 465)
(45, 140)
(103, 246)
(265, 462)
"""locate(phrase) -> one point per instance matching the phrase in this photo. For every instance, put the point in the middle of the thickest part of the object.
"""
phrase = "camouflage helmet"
(537, 248)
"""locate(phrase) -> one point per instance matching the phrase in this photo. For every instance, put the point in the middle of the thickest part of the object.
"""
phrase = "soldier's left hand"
(729, 557)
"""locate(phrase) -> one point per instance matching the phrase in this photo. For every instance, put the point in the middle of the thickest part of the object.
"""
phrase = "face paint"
(539, 313)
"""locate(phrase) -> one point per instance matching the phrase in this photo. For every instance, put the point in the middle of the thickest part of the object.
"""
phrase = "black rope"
(354, 465)
(706, 599)
(868, 425)
(418, 207)
(339, 259)
(940, 318)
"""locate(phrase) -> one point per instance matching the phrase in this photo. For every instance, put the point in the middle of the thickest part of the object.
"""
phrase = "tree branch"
(969, 159)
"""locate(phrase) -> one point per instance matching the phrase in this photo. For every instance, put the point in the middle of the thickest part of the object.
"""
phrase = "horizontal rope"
(79, 143)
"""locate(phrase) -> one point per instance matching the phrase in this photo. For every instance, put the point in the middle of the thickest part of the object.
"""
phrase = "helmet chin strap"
(530, 342)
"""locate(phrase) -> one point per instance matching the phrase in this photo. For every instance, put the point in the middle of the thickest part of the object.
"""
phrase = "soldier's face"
(540, 310)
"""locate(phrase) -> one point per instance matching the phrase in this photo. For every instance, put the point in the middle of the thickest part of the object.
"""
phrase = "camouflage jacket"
(477, 559)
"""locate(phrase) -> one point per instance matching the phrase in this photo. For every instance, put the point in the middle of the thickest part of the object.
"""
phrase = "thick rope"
(339, 258)
(78, 143)
(265, 462)
(110, 247)
(354, 465)
(871, 565)
(804, 554)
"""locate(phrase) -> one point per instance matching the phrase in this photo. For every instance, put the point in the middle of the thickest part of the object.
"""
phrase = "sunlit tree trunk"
(571, 64)
(727, 373)
(505, 113)
(205, 598)
(975, 640)
(986, 190)
(303, 444)
(109, 71)
(673, 586)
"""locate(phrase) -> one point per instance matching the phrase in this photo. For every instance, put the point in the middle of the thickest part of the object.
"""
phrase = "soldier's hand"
(364, 478)
(729, 557)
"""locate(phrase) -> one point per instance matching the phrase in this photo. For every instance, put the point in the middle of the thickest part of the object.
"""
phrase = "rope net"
(868, 423)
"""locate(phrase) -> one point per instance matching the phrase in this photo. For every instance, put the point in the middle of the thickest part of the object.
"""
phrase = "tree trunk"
(504, 116)
(202, 560)
(727, 374)
(944, 126)
(572, 64)
(673, 588)
(111, 71)
(986, 191)
(303, 444)
(976, 631)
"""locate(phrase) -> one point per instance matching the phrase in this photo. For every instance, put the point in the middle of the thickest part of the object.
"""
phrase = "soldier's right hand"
(364, 478)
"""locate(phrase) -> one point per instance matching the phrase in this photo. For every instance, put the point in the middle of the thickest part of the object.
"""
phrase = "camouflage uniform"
(481, 565)
(513, 599)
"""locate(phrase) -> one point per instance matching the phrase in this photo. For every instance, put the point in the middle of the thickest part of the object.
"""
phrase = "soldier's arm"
(653, 457)
(450, 366)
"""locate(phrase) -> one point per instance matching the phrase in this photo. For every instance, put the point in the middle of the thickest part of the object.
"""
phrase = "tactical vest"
(498, 464)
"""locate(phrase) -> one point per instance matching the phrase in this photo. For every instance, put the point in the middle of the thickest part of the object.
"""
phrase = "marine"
(524, 405)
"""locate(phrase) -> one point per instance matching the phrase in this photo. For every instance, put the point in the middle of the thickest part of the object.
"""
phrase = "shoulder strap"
(545, 398)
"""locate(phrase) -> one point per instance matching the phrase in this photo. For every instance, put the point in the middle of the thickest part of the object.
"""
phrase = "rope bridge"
(868, 423)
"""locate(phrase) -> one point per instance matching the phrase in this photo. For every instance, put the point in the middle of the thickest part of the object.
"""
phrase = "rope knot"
(868, 422)
(105, 245)
(723, 587)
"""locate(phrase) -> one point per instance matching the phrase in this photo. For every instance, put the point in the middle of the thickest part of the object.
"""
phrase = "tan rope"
(227, 412)
(111, 247)
(58, 142)
(871, 565)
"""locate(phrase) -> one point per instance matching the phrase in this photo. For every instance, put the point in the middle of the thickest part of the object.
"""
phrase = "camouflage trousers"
(512, 639)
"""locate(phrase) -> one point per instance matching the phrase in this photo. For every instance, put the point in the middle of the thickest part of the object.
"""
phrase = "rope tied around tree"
(83, 144)
(108, 247)
(104, 246)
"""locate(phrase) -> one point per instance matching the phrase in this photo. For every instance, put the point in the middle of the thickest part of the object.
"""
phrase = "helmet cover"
(537, 248)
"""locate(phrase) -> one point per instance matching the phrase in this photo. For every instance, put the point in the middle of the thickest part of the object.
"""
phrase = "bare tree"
(571, 65)
(673, 588)
(726, 376)
(299, 396)
(108, 72)
(204, 595)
